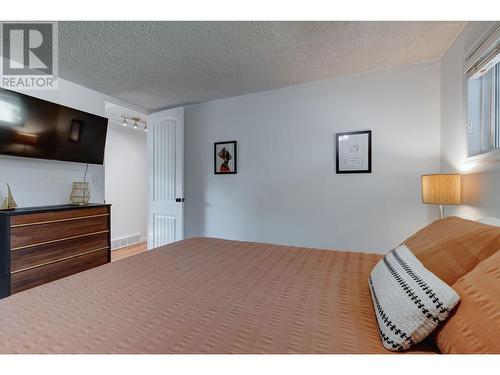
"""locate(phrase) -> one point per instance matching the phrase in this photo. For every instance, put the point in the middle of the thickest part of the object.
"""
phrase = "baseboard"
(126, 241)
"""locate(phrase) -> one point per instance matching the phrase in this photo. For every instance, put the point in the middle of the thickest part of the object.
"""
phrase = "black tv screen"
(35, 128)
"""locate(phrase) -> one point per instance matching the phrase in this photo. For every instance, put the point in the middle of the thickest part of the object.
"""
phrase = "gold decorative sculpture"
(80, 195)
(9, 202)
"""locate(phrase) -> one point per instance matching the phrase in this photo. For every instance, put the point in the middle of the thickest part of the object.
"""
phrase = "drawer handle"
(58, 240)
(57, 220)
(59, 260)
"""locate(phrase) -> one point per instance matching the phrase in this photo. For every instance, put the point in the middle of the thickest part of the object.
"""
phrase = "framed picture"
(354, 152)
(225, 158)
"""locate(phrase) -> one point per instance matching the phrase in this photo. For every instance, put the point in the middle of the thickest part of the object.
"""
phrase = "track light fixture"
(136, 121)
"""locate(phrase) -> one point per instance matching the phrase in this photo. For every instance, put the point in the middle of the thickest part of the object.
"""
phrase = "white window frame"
(481, 57)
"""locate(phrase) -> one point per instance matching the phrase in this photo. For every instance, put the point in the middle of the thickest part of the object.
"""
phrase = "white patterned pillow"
(409, 300)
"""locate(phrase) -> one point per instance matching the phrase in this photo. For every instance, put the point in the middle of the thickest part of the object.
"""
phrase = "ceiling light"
(135, 122)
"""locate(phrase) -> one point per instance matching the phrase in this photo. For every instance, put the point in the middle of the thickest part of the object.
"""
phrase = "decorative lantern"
(80, 195)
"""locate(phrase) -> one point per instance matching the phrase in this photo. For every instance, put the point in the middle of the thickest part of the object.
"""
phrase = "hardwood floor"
(128, 251)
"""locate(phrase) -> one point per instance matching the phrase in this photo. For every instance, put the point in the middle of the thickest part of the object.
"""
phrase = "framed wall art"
(225, 158)
(354, 152)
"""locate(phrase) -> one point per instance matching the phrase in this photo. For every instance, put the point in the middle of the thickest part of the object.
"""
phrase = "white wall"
(481, 182)
(126, 179)
(37, 182)
(286, 190)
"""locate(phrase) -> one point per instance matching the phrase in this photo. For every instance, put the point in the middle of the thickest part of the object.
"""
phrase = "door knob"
(179, 200)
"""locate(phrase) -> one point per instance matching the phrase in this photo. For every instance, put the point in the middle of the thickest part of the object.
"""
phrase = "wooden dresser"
(43, 244)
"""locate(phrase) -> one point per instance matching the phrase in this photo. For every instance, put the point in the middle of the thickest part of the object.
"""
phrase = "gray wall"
(286, 190)
(481, 181)
(126, 180)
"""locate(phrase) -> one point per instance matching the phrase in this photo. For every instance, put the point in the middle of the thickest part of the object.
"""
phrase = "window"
(483, 97)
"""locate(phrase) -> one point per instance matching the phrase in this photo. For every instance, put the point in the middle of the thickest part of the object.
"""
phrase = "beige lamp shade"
(442, 189)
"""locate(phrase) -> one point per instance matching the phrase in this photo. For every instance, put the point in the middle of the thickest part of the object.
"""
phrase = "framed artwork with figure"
(225, 157)
(354, 152)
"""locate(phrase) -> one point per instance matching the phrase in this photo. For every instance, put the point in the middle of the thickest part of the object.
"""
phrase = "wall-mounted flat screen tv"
(35, 128)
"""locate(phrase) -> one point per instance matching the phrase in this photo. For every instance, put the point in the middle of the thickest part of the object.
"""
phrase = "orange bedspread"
(203, 295)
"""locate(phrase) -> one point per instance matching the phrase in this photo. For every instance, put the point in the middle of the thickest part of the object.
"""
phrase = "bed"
(204, 295)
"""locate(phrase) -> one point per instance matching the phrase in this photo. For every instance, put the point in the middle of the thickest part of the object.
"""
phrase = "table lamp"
(441, 189)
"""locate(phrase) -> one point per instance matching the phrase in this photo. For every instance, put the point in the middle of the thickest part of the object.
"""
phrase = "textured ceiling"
(156, 65)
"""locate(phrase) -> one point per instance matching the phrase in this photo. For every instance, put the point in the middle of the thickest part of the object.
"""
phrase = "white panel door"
(166, 151)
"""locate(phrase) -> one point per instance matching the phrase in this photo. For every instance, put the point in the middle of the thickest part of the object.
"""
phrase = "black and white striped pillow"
(409, 300)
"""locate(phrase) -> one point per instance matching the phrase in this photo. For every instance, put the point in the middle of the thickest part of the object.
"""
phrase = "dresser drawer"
(43, 244)
(57, 216)
(39, 234)
(40, 275)
(38, 255)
